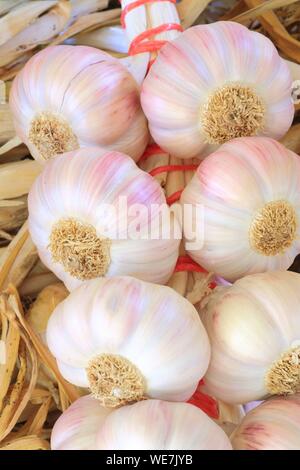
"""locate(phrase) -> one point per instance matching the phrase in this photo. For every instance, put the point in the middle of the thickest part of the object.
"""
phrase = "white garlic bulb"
(254, 330)
(126, 339)
(273, 425)
(155, 424)
(80, 216)
(77, 427)
(249, 193)
(68, 97)
(150, 424)
(214, 83)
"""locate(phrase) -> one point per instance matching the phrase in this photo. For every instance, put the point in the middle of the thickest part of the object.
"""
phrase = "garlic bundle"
(254, 330)
(249, 195)
(68, 97)
(126, 340)
(214, 83)
(82, 216)
(160, 425)
(273, 425)
(76, 428)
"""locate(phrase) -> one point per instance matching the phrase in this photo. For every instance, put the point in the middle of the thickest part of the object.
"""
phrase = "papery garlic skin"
(160, 425)
(77, 427)
(254, 331)
(68, 97)
(146, 338)
(273, 425)
(209, 74)
(73, 188)
(249, 194)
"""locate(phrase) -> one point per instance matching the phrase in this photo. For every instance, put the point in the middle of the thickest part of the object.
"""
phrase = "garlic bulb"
(254, 330)
(81, 212)
(160, 425)
(68, 97)
(214, 83)
(77, 427)
(249, 193)
(126, 339)
(273, 425)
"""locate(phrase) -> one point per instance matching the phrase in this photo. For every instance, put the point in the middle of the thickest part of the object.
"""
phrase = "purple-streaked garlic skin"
(254, 332)
(188, 94)
(82, 97)
(74, 187)
(147, 326)
(273, 425)
(249, 194)
(155, 424)
(77, 427)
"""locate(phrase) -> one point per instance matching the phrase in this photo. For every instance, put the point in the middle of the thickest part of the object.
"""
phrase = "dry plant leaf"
(27, 443)
(87, 22)
(19, 18)
(20, 389)
(7, 5)
(5, 235)
(13, 213)
(110, 38)
(7, 130)
(34, 424)
(22, 264)
(16, 178)
(278, 33)
(292, 139)
(40, 32)
(45, 356)
(81, 8)
(200, 287)
(189, 10)
(10, 71)
(34, 283)
(263, 8)
(42, 308)
(12, 251)
(10, 145)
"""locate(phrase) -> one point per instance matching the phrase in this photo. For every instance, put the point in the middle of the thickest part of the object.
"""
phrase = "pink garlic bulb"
(254, 332)
(150, 425)
(128, 340)
(273, 425)
(155, 424)
(68, 97)
(77, 427)
(249, 195)
(214, 83)
(82, 208)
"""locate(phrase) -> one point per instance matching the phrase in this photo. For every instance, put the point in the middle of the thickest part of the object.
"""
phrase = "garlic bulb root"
(232, 111)
(274, 228)
(51, 134)
(283, 377)
(114, 380)
(77, 247)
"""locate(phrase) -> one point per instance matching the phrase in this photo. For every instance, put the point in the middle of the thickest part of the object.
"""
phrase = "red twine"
(206, 403)
(143, 43)
(163, 169)
(185, 263)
